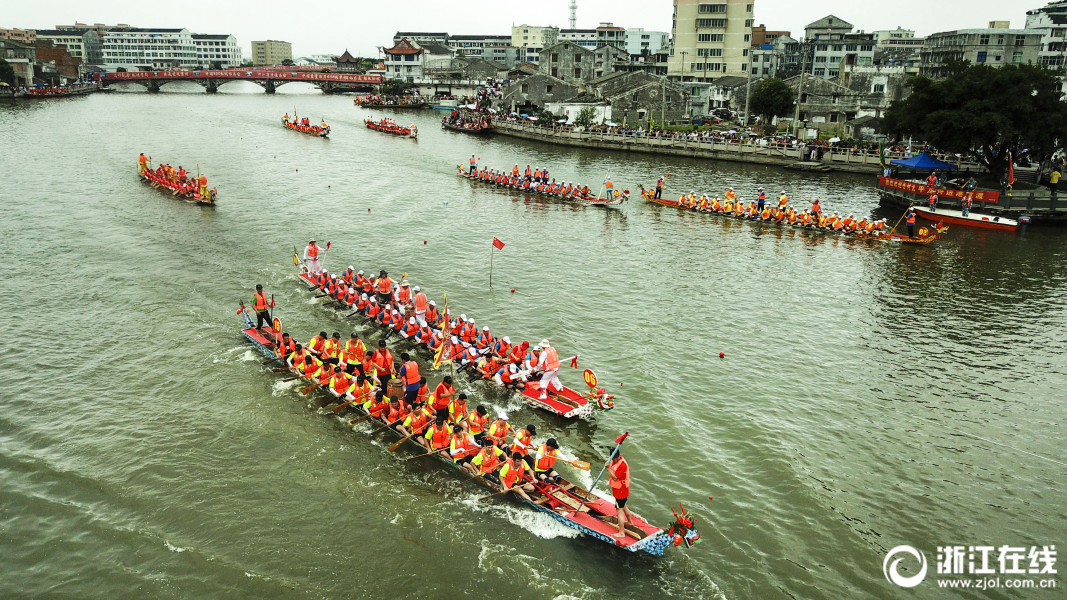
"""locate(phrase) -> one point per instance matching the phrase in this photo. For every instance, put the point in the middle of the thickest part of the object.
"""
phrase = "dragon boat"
(474, 130)
(566, 403)
(390, 126)
(617, 200)
(314, 130)
(190, 190)
(568, 503)
(926, 235)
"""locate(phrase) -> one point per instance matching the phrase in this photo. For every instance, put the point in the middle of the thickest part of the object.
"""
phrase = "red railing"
(248, 74)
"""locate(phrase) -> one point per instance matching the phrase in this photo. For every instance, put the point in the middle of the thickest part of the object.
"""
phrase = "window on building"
(832, 72)
(634, 98)
(577, 73)
(1000, 40)
(850, 47)
(703, 37)
(748, 37)
(819, 72)
(667, 99)
(711, 8)
(712, 23)
(833, 117)
(834, 99)
(1057, 32)
(980, 58)
(755, 70)
(577, 57)
(983, 39)
(1017, 57)
(555, 72)
(548, 89)
(555, 57)
(748, 23)
(820, 59)
(748, 8)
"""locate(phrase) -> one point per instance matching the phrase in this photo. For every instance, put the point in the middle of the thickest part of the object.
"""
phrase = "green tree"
(7, 72)
(585, 116)
(120, 70)
(771, 98)
(985, 112)
(287, 62)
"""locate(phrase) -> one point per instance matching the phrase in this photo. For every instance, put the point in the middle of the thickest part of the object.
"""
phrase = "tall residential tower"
(711, 39)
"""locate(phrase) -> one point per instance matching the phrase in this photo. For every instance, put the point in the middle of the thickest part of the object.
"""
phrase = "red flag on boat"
(622, 437)
(574, 362)
(498, 244)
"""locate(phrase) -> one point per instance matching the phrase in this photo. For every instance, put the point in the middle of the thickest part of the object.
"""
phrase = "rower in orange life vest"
(549, 362)
(546, 460)
(262, 307)
(659, 188)
(421, 303)
(352, 355)
(402, 296)
(933, 201)
(317, 344)
(331, 350)
(474, 165)
(513, 476)
(609, 188)
(383, 362)
(385, 288)
(142, 160)
(476, 424)
(488, 459)
(442, 396)
(619, 477)
(461, 448)
(911, 221)
(311, 257)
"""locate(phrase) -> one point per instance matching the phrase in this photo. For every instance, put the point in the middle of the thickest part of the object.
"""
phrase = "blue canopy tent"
(924, 162)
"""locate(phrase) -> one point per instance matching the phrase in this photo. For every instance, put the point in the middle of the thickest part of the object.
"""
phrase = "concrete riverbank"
(845, 160)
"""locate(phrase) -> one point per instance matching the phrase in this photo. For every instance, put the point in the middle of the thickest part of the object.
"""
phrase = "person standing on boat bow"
(262, 307)
(619, 477)
(659, 188)
(311, 257)
(549, 363)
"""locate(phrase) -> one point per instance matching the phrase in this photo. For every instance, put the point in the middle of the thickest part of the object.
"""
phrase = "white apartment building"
(530, 40)
(637, 40)
(217, 51)
(137, 48)
(711, 39)
(1051, 22)
(585, 38)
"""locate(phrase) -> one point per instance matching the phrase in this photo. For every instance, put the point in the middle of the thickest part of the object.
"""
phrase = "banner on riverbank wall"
(919, 189)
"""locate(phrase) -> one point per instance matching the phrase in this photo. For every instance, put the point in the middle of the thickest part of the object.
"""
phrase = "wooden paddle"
(340, 407)
(445, 449)
(363, 418)
(397, 444)
(280, 369)
(384, 427)
(292, 378)
(495, 494)
(580, 464)
(268, 361)
(310, 388)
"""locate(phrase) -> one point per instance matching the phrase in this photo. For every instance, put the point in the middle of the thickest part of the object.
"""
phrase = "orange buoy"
(722, 355)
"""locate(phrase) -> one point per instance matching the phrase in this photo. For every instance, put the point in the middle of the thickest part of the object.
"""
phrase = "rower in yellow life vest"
(352, 355)
(203, 186)
(513, 476)
(142, 160)
(782, 200)
(488, 459)
(730, 195)
(331, 349)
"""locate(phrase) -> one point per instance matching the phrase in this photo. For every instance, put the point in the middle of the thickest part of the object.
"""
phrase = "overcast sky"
(331, 26)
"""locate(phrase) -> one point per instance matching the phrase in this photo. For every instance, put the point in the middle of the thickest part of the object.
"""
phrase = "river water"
(146, 452)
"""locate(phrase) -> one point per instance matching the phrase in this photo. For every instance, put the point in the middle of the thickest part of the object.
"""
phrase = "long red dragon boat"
(567, 403)
(315, 130)
(568, 503)
(528, 187)
(193, 190)
(389, 126)
(926, 235)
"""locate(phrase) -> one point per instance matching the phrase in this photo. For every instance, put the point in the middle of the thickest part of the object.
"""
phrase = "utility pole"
(800, 89)
(748, 88)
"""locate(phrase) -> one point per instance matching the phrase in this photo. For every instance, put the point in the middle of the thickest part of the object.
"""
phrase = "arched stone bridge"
(268, 79)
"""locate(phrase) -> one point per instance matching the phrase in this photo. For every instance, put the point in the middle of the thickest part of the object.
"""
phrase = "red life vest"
(313, 251)
(420, 302)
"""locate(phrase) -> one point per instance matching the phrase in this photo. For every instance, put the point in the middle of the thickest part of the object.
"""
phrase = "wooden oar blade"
(309, 388)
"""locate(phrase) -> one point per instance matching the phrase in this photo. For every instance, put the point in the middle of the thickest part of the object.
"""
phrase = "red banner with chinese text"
(923, 190)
